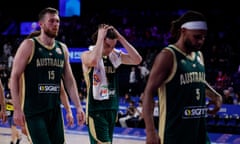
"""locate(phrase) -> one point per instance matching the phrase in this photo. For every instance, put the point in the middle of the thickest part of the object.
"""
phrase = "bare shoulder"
(27, 43)
(24, 52)
(85, 54)
(164, 62)
(26, 46)
(167, 51)
(165, 54)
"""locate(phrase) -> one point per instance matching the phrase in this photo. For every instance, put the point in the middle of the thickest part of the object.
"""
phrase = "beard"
(190, 47)
(50, 33)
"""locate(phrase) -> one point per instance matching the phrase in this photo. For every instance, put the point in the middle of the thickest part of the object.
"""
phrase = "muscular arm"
(71, 87)
(215, 99)
(20, 61)
(214, 96)
(159, 73)
(91, 58)
(66, 104)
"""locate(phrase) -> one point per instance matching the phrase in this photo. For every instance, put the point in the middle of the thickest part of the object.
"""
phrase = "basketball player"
(178, 75)
(43, 62)
(100, 65)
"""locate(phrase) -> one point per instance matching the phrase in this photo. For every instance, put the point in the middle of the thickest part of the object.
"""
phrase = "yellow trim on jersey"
(162, 111)
(22, 90)
(189, 56)
(174, 68)
(33, 51)
(87, 81)
(93, 131)
(26, 132)
(46, 46)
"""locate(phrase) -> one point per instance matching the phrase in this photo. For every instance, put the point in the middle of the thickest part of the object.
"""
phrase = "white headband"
(195, 25)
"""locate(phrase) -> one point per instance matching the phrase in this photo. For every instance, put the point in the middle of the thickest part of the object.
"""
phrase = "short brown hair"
(111, 34)
(47, 10)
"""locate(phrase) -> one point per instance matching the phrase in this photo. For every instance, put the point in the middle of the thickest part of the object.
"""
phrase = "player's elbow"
(139, 60)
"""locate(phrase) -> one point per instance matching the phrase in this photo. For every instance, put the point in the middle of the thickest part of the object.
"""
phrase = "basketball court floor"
(74, 137)
(79, 135)
(121, 136)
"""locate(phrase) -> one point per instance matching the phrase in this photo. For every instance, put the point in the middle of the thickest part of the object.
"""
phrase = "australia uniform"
(41, 94)
(102, 114)
(182, 101)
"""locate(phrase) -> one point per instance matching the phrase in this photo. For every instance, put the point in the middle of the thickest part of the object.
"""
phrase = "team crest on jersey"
(183, 61)
(58, 50)
(40, 49)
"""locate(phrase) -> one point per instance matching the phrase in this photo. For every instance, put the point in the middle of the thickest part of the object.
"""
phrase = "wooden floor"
(71, 138)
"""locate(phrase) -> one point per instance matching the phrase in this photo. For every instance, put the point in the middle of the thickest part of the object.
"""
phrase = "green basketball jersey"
(41, 79)
(112, 79)
(182, 101)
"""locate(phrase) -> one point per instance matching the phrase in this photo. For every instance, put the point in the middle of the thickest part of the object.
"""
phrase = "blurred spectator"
(236, 79)
(131, 111)
(133, 81)
(126, 99)
(227, 98)
(138, 113)
(156, 113)
(137, 121)
(236, 101)
(10, 62)
(7, 49)
(222, 80)
(83, 89)
(144, 71)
